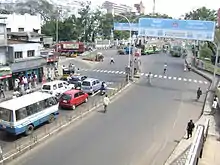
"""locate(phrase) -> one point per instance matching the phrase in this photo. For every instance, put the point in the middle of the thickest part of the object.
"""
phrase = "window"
(76, 95)
(30, 53)
(46, 87)
(66, 97)
(21, 29)
(54, 87)
(6, 114)
(81, 93)
(86, 83)
(93, 83)
(60, 85)
(18, 55)
(21, 114)
(8, 29)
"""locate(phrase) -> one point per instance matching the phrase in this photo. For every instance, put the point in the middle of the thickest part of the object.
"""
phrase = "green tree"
(201, 14)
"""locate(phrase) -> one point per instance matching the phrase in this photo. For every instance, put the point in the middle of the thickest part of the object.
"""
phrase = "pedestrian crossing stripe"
(152, 75)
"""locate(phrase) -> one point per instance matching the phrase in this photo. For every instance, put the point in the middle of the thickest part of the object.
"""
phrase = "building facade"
(140, 8)
(114, 8)
(25, 60)
(22, 23)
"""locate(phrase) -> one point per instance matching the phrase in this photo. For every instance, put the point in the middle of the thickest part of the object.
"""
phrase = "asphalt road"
(142, 126)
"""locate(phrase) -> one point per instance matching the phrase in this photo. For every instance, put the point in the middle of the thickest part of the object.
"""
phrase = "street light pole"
(129, 51)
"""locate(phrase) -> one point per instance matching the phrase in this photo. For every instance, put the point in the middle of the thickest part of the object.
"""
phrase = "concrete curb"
(42, 139)
(184, 144)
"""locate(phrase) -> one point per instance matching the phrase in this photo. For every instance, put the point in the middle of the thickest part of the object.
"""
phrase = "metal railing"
(197, 145)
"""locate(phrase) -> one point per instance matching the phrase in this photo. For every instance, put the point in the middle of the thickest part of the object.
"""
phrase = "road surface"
(142, 126)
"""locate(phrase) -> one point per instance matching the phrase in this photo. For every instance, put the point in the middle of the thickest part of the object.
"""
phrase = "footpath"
(210, 155)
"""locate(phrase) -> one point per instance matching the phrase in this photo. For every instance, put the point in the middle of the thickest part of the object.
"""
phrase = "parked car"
(56, 87)
(77, 81)
(91, 85)
(72, 98)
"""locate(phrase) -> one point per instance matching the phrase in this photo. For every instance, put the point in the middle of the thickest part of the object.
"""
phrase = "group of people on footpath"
(23, 84)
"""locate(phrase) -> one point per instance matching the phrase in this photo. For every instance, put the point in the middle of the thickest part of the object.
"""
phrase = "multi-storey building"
(114, 8)
(140, 8)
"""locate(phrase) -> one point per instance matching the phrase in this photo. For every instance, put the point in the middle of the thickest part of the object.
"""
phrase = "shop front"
(6, 77)
(29, 68)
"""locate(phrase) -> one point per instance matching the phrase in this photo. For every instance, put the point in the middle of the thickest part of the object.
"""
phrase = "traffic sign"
(180, 29)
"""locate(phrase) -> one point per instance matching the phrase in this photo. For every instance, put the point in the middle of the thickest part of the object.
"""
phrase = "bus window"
(6, 115)
(21, 114)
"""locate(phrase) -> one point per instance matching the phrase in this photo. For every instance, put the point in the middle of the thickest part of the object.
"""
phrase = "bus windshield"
(6, 115)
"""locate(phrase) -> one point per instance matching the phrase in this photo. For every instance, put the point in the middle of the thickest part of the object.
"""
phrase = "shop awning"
(6, 76)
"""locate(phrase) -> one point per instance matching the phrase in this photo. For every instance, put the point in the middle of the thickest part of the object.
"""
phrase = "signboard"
(182, 29)
(71, 46)
(126, 26)
(5, 71)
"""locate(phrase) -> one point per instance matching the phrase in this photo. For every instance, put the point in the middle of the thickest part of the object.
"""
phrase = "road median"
(22, 145)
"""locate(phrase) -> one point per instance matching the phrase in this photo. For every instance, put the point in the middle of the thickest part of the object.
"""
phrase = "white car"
(57, 87)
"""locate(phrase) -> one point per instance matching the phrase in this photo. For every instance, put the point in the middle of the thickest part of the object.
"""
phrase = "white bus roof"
(25, 100)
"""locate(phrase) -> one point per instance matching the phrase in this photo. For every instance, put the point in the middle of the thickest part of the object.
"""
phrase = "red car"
(72, 98)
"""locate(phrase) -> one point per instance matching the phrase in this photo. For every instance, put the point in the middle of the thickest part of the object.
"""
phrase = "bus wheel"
(51, 118)
(29, 130)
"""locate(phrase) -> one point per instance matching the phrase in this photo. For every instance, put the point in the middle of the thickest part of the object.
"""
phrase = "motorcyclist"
(199, 93)
(103, 87)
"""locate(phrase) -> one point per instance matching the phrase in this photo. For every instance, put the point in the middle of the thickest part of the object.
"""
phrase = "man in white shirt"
(106, 101)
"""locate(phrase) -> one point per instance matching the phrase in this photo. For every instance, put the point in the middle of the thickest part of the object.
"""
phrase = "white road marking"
(97, 70)
(195, 81)
(108, 83)
(184, 79)
(190, 80)
(121, 72)
(174, 78)
(105, 71)
(109, 72)
(142, 74)
(146, 74)
(200, 82)
(155, 75)
(165, 77)
(169, 78)
(113, 71)
(179, 78)
(111, 88)
(205, 82)
(160, 76)
(117, 72)
(95, 93)
(101, 71)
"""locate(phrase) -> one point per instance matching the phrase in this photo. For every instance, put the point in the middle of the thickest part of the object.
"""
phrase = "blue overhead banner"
(181, 29)
(126, 26)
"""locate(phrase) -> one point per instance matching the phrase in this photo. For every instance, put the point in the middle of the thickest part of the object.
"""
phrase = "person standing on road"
(189, 129)
(165, 68)
(106, 101)
(149, 78)
(2, 91)
(112, 60)
(199, 93)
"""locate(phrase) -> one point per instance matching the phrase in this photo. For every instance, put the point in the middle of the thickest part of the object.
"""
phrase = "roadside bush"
(205, 52)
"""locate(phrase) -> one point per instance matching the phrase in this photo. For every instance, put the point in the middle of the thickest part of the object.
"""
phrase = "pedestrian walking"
(106, 101)
(2, 91)
(189, 129)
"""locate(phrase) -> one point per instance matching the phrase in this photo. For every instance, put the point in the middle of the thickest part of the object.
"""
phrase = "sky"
(174, 8)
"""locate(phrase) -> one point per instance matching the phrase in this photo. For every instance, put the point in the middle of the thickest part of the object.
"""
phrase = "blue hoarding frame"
(180, 29)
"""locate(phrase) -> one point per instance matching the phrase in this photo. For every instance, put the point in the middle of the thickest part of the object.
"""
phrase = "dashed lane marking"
(152, 75)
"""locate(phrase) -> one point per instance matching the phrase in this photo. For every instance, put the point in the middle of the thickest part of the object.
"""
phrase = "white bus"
(23, 114)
